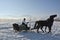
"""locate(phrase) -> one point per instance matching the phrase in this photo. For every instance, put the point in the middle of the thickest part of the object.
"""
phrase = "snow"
(7, 33)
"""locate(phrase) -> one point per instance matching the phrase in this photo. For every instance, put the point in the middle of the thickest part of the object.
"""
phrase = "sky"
(19, 8)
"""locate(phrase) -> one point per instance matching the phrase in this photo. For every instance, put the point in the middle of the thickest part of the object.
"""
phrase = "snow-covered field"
(7, 33)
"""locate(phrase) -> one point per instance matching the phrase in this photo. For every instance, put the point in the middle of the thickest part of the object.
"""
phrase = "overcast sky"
(18, 8)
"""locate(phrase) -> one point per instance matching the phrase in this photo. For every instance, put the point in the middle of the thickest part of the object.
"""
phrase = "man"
(24, 22)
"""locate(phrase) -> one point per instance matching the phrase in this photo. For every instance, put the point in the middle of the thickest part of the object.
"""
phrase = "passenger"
(24, 22)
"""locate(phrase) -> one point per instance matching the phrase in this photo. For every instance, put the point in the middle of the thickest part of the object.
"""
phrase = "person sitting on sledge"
(24, 22)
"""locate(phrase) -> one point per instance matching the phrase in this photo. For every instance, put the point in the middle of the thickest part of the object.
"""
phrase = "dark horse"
(47, 23)
(17, 27)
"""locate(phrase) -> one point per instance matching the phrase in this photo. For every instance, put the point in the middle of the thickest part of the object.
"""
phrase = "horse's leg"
(37, 30)
(49, 29)
(41, 28)
(45, 28)
(35, 26)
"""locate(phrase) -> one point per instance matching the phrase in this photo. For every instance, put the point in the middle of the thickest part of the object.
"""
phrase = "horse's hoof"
(49, 32)
(43, 31)
(37, 32)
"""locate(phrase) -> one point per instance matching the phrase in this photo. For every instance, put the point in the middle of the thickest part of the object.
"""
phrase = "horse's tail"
(35, 25)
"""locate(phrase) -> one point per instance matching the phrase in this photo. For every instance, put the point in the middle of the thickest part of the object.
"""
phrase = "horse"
(19, 28)
(47, 23)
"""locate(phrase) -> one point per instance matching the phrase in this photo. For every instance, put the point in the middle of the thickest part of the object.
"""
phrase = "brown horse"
(47, 23)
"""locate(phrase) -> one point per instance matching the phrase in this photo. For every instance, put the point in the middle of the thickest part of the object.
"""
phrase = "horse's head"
(53, 16)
